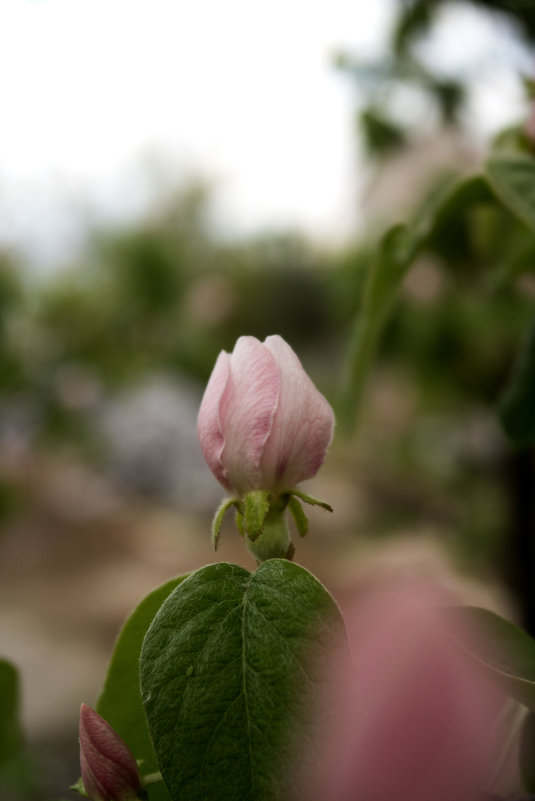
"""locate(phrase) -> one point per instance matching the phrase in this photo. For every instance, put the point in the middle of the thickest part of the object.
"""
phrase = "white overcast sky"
(241, 91)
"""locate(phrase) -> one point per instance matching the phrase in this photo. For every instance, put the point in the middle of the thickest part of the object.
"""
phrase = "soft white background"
(96, 95)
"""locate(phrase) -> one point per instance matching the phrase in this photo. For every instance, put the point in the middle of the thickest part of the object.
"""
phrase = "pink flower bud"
(262, 423)
(109, 771)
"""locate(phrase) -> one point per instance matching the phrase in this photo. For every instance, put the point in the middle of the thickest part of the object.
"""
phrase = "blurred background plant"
(103, 490)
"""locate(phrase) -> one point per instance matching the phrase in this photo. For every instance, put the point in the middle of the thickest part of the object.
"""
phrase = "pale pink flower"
(415, 716)
(262, 423)
(109, 771)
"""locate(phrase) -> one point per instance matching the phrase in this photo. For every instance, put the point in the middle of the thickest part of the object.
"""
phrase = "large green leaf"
(517, 407)
(504, 650)
(10, 730)
(224, 669)
(120, 700)
(512, 177)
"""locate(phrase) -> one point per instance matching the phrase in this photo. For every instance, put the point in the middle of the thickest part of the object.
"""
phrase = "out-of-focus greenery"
(165, 294)
(460, 324)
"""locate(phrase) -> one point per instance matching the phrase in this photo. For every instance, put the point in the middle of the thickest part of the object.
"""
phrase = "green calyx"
(261, 521)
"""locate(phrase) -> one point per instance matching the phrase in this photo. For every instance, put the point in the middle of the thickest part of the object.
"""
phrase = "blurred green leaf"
(11, 738)
(381, 135)
(390, 265)
(450, 96)
(512, 177)
(224, 668)
(526, 754)
(517, 406)
(413, 20)
(505, 651)
(120, 701)
(451, 202)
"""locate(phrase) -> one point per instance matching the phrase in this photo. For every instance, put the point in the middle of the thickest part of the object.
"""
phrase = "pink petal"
(416, 715)
(246, 412)
(208, 420)
(303, 425)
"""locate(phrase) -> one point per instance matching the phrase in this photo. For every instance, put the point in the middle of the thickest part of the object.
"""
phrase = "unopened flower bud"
(109, 771)
(263, 428)
(262, 422)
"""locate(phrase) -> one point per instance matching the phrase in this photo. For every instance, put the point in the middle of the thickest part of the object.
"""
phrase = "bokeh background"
(173, 176)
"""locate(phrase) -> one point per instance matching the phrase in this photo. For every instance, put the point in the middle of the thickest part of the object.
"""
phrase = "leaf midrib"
(244, 683)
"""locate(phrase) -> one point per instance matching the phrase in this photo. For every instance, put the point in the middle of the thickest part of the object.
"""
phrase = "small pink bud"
(262, 423)
(109, 771)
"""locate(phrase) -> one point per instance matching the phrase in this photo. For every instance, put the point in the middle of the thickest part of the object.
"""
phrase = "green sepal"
(239, 520)
(256, 507)
(217, 522)
(300, 518)
(79, 788)
(151, 778)
(310, 500)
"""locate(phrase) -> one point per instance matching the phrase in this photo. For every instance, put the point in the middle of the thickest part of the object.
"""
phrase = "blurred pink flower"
(109, 771)
(262, 423)
(415, 716)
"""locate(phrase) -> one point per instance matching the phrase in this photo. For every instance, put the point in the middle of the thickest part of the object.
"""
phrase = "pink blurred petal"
(303, 425)
(416, 715)
(208, 421)
(246, 412)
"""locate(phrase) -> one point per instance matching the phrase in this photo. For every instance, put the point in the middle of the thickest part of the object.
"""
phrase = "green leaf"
(517, 406)
(453, 201)
(11, 738)
(120, 702)
(381, 135)
(397, 251)
(224, 668)
(512, 177)
(526, 754)
(389, 269)
(504, 650)
(300, 518)
(390, 265)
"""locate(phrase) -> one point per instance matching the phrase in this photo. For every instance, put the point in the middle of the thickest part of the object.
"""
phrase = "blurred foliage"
(449, 298)
(387, 86)
(160, 296)
(451, 294)
(164, 294)
(416, 17)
